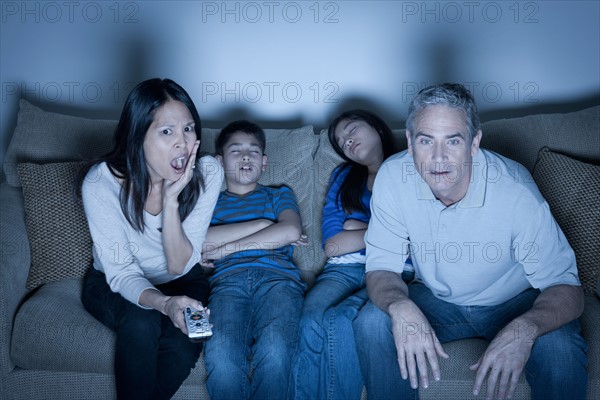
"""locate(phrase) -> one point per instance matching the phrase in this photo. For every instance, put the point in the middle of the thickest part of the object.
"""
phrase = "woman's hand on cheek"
(171, 189)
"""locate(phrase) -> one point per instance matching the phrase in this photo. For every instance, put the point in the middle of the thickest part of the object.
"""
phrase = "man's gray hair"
(450, 94)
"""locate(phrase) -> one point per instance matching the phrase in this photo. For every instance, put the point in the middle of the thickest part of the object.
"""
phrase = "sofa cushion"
(290, 153)
(457, 379)
(42, 137)
(326, 160)
(521, 138)
(52, 331)
(59, 238)
(571, 189)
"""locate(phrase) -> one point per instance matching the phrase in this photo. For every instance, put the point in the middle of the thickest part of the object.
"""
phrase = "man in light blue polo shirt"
(490, 261)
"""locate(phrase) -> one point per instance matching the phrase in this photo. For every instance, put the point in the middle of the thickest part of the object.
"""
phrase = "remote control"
(199, 329)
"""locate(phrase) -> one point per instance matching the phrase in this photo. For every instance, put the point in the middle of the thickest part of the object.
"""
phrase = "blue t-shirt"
(334, 214)
(264, 202)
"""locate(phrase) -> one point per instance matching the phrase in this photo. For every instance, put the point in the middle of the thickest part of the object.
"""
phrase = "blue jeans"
(255, 314)
(152, 356)
(556, 368)
(326, 365)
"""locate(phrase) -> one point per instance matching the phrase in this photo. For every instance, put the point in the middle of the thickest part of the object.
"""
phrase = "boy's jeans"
(255, 314)
(556, 368)
(326, 363)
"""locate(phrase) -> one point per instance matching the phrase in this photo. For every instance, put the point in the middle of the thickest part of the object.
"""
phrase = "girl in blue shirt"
(326, 353)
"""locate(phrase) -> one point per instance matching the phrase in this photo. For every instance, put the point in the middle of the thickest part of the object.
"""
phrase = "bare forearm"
(345, 242)
(154, 299)
(386, 288)
(553, 308)
(178, 249)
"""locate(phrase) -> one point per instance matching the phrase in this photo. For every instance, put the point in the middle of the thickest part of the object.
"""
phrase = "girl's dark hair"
(127, 159)
(351, 189)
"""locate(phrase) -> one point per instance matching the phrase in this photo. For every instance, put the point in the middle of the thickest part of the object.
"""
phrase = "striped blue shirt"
(264, 202)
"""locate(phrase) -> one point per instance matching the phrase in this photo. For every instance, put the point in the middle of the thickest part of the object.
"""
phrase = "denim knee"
(312, 333)
(557, 364)
(369, 323)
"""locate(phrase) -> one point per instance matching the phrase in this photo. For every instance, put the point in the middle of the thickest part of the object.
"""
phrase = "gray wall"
(285, 63)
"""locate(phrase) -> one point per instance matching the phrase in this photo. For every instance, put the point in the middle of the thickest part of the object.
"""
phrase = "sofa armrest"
(14, 266)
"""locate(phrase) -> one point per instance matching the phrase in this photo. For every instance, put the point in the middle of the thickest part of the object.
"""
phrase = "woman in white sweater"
(149, 204)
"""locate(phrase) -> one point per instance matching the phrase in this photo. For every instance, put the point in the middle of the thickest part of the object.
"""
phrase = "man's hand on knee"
(504, 360)
(416, 343)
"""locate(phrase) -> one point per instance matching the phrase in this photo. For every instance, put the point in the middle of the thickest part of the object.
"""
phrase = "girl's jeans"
(326, 365)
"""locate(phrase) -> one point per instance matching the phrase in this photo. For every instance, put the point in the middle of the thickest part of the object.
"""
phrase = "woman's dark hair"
(127, 159)
(353, 186)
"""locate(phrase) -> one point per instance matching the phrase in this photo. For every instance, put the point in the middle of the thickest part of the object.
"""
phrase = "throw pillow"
(61, 245)
(571, 189)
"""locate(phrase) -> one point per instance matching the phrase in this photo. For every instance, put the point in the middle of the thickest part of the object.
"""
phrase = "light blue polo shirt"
(499, 240)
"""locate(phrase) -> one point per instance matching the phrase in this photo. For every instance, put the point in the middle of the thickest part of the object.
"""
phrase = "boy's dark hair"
(241, 125)
(353, 186)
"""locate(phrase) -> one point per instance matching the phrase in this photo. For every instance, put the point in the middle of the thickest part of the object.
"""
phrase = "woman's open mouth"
(179, 163)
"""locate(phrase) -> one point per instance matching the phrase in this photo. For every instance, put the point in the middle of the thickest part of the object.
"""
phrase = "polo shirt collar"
(475, 196)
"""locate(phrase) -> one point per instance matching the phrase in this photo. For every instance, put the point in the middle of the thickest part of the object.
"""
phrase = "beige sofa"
(51, 348)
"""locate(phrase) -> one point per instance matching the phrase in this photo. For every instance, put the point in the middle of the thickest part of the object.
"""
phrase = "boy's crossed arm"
(261, 233)
(219, 234)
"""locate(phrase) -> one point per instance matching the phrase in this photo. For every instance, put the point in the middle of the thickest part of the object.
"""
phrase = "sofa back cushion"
(574, 134)
(326, 160)
(43, 137)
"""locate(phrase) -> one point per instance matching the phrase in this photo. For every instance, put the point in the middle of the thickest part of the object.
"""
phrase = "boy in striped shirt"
(256, 290)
